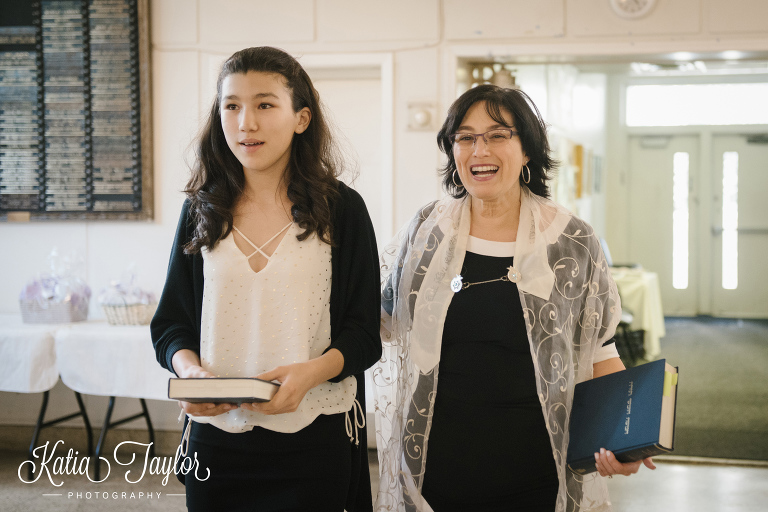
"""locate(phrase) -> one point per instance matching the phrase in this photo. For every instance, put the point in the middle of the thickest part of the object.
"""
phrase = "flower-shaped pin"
(456, 283)
(514, 275)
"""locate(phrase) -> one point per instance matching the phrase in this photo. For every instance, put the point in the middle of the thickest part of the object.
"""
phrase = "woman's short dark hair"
(527, 121)
(218, 179)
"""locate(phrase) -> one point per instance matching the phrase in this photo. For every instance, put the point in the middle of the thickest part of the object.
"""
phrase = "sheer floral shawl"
(571, 307)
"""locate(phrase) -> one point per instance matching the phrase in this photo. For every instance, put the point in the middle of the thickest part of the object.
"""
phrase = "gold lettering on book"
(629, 407)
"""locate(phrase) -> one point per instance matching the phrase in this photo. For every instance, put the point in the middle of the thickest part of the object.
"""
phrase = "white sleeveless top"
(253, 322)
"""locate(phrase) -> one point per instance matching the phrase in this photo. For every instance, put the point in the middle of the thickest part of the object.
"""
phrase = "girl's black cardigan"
(355, 309)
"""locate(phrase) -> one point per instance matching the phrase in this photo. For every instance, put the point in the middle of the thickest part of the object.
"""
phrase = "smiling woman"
(505, 298)
(273, 274)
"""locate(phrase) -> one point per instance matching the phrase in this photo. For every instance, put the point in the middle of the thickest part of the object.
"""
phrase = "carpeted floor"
(723, 389)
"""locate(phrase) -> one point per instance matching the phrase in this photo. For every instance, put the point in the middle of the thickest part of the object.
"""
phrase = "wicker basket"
(134, 314)
(32, 312)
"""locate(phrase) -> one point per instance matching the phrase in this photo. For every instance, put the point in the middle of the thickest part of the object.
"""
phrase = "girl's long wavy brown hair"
(218, 179)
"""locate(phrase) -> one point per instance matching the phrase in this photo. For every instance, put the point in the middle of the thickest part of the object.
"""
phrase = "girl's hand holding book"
(296, 380)
(187, 366)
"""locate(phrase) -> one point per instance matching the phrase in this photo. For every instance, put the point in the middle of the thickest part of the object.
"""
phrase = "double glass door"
(702, 225)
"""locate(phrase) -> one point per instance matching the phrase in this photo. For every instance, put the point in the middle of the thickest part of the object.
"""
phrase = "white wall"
(573, 104)
(422, 38)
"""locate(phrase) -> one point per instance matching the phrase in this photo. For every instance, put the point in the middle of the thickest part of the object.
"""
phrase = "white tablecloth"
(27, 356)
(96, 358)
(641, 295)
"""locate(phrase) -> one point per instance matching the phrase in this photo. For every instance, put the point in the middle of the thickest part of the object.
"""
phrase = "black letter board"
(74, 110)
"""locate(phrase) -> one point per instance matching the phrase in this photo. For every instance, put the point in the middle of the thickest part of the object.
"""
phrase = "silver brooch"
(456, 284)
(514, 275)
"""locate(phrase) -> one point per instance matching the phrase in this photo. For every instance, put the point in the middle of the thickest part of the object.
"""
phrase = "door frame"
(617, 168)
(354, 64)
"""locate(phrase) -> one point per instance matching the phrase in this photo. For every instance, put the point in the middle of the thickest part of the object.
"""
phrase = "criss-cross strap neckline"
(259, 249)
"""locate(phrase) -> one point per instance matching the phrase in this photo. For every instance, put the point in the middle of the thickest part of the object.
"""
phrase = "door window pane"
(730, 220)
(680, 164)
(697, 104)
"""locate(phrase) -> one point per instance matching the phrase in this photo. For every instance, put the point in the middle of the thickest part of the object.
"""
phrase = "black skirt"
(268, 471)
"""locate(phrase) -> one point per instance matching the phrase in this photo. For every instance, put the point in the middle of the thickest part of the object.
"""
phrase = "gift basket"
(58, 296)
(124, 303)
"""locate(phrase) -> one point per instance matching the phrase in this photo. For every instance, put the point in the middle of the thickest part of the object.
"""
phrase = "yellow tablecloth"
(640, 294)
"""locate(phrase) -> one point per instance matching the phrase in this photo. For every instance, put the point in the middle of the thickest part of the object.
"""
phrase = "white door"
(663, 216)
(669, 225)
(354, 108)
(740, 226)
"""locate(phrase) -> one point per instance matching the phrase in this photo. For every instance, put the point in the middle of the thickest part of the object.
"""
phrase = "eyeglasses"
(491, 138)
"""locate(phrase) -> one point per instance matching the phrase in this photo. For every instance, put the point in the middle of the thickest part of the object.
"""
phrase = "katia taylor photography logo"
(52, 462)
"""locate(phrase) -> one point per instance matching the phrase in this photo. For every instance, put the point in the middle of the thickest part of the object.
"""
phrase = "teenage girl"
(273, 274)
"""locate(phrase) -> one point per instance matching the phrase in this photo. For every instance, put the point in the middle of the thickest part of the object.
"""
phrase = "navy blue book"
(631, 413)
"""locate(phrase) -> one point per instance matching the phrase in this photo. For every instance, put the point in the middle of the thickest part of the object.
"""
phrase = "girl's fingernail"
(602, 451)
(597, 456)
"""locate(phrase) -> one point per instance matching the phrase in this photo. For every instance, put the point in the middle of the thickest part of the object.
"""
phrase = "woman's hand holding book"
(607, 465)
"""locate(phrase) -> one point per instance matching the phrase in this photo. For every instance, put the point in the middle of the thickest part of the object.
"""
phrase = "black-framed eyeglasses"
(491, 137)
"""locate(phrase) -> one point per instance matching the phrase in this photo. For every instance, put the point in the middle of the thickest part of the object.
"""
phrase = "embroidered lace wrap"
(571, 307)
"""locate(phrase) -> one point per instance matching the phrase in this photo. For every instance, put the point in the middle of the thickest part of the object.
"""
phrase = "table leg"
(108, 424)
(88, 430)
(44, 424)
(149, 428)
(102, 436)
(38, 428)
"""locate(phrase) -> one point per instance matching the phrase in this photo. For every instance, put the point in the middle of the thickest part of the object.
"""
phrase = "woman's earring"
(453, 177)
(525, 168)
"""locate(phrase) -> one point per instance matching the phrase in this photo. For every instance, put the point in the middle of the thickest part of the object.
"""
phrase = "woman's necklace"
(513, 275)
(458, 284)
